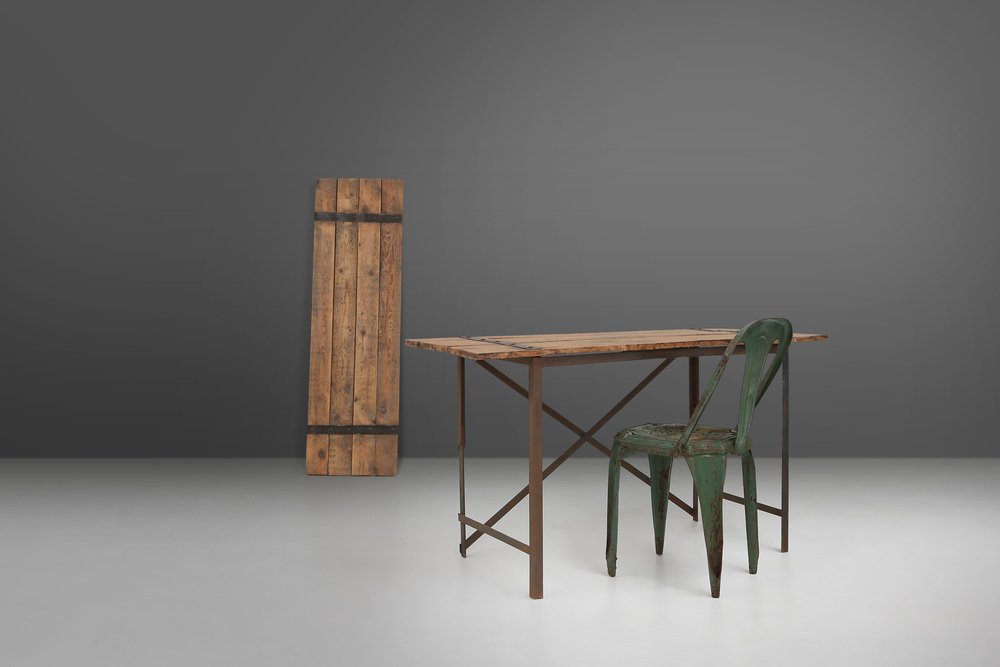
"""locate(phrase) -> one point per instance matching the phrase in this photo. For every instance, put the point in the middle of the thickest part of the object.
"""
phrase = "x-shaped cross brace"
(583, 437)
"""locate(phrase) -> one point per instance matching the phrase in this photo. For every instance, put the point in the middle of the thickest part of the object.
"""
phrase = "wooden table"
(545, 350)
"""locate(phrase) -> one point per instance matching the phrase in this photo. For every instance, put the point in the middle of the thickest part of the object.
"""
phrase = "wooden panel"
(363, 455)
(386, 454)
(345, 303)
(317, 448)
(366, 331)
(340, 454)
(515, 347)
(344, 311)
(389, 299)
(320, 350)
(355, 338)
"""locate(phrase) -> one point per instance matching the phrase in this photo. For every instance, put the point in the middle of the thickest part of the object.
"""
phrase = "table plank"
(542, 345)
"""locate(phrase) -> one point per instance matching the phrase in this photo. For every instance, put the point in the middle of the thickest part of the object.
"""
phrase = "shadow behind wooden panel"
(355, 332)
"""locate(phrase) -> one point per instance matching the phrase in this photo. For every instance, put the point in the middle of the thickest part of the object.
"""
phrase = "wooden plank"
(340, 454)
(363, 455)
(344, 313)
(528, 338)
(320, 336)
(366, 329)
(389, 300)
(317, 449)
(606, 342)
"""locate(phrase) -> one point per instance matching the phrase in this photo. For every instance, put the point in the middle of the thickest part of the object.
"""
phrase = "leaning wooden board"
(353, 415)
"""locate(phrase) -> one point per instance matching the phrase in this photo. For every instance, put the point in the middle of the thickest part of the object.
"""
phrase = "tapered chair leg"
(659, 491)
(614, 476)
(750, 504)
(709, 472)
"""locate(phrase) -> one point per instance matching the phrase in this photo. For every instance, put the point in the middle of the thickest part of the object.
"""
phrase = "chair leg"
(709, 472)
(659, 491)
(614, 476)
(750, 504)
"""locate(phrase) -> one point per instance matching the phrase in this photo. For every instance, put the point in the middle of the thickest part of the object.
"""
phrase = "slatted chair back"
(758, 338)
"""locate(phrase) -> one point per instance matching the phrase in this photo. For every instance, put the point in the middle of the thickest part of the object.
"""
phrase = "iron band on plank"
(356, 217)
(352, 429)
(483, 339)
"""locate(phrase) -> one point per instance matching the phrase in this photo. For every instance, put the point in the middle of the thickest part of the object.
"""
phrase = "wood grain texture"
(386, 454)
(389, 298)
(317, 450)
(320, 349)
(363, 455)
(345, 306)
(515, 347)
(340, 454)
(366, 328)
(389, 304)
(344, 313)
(355, 337)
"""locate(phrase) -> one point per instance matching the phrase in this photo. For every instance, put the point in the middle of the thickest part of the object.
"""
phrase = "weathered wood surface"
(355, 340)
(389, 302)
(542, 345)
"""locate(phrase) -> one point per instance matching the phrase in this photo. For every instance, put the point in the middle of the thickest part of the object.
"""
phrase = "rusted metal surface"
(537, 474)
(750, 511)
(461, 453)
(784, 456)
(709, 473)
(584, 436)
(492, 532)
(760, 506)
(705, 448)
(535, 479)
(324, 216)
(659, 491)
(694, 379)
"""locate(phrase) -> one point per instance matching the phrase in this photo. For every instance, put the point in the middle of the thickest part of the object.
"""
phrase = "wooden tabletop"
(544, 345)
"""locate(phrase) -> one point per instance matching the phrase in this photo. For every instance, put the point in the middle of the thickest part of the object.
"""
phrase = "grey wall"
(568, 167)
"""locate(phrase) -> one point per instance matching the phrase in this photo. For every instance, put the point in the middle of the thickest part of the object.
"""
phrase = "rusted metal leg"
(535, 477)
(659, 491)
(461, 451)
(614, 478)
(750, 510)
(709, 472)
(784, 455)
(694, 377)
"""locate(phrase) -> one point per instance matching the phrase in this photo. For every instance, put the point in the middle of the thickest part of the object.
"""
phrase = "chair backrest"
(758, 338)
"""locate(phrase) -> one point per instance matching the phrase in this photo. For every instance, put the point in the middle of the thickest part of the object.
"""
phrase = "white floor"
(250, 562)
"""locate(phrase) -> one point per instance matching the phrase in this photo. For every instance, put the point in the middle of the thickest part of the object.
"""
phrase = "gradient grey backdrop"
(568, 167)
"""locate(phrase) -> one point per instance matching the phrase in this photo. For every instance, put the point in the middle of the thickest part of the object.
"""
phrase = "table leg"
(535, 477)
(693, 391)
(784, 454)
(461, 451)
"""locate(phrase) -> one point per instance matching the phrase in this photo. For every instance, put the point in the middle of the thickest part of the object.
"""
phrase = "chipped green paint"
(705, 449)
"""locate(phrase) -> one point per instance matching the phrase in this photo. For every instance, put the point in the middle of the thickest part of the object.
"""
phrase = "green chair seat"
(655, 438)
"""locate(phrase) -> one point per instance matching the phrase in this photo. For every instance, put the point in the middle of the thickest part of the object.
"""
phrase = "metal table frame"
(533, 491)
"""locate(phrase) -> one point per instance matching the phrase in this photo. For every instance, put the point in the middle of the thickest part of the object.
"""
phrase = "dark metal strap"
(483, 339)
(355, 429)
(356, 217)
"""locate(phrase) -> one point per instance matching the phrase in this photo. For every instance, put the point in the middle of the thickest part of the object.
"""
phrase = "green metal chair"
(705, 448)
